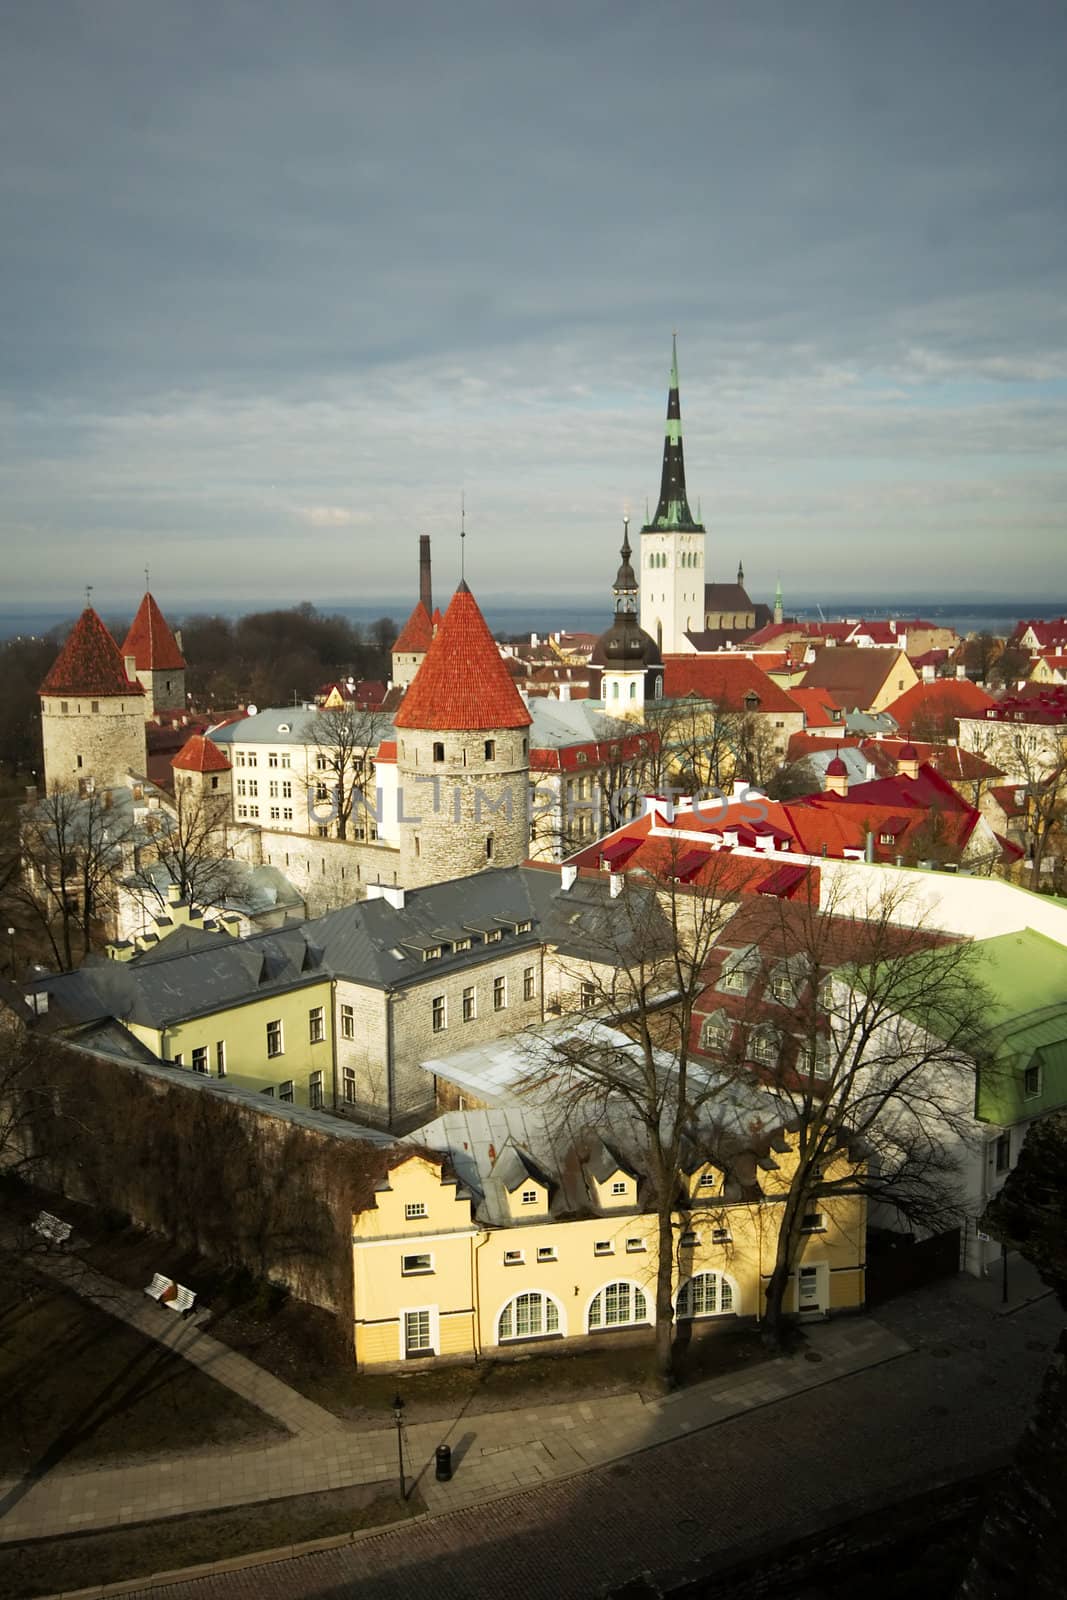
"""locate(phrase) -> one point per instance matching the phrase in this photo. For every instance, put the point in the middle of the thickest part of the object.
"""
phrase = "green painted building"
(1025, 1075)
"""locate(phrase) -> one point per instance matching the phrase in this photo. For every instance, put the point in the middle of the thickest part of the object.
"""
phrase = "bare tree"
(189, 842)
(656, 944)
(863, 1025)
(72, 846)
(1043, 767)
(346, 739)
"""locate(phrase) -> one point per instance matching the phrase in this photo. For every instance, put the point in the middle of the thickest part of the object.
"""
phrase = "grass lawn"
(79, 1386)
(55, 1565)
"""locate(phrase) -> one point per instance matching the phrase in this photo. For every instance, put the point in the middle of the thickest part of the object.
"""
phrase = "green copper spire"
(673, 510)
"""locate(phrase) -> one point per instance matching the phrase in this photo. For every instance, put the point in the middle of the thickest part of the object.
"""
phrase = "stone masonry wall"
(110, 741)
(461, 802)
(329, 872)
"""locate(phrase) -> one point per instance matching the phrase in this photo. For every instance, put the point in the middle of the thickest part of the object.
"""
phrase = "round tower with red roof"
(202, 771)
(463, 756)
(157, 660)
(92, 712)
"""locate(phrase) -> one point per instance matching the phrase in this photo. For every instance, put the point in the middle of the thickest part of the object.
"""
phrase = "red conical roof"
(90, 663)
(836, 768)
(151, 642)
(417, 632)
(463, 683)
(198, 754)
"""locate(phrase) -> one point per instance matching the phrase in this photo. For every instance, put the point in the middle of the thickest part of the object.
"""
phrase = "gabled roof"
(463, 683)
(855, 675)
(90, 663)
(727, 680)
(200, 755)
(943, 699)
(726, 597)
(416, 635)
(150, 641)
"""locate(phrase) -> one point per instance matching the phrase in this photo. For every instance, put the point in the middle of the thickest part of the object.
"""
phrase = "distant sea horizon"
(581, 615)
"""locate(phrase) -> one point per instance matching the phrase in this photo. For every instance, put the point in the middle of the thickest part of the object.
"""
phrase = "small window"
(470, 1004)
(635, 1246)
(439, 1013)
(64, 707)
(619, 1186)
(316, 1025)
(1032, 1082)
(500, 993)
(416, 1266)
(96, 706)
(348, 1022)
(603, 1247)
(1002, 1150)
(489, 847)
(220, 1058)
(285, 1091)
(587, 996)
(513, 1258)
(813, 1222)
(721, 1236)
(530, 1197)
(315, 1091)
(417, 1337)
(706, 1180)
(178, 1059)
(546, 1252)
(529, 986)
(268, 1091)
(414, 1209)
(200, 1058)
(689, 1240)
(490, 749)
(438, 750)
(275, 1046)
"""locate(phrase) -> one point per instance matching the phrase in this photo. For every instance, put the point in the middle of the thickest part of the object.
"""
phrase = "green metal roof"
(1025, 973)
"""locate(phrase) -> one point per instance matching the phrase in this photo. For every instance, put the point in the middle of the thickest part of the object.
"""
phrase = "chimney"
(130, 663)
(174, 893)
(616, 883)
(658, 809)
(567, 876)
(425, 585)
(928, 673)
(961, 671)
(392, 894)
(178, 640)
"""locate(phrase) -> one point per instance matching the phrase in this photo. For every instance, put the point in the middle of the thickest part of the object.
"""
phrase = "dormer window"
(530, 1197)
(619, 1186)
(706, 1180)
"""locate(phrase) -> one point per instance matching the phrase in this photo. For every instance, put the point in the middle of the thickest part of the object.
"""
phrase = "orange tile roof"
(200, 755)
(944, 698)
(463, 682)
(417, 633)
(151, 642)
(90, 663)
(725, 679)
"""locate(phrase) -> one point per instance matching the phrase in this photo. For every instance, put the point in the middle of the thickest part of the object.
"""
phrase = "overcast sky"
(280, 283)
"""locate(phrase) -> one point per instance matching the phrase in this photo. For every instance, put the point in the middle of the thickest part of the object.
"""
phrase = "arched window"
(709, 1294)
(633, 691)
(529, 1316)
(618, 1305)
(615, 689)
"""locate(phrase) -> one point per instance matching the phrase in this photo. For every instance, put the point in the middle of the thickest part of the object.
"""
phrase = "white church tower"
(672, 547)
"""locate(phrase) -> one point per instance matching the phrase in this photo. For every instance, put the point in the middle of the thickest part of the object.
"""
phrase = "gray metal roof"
(563, 722)
(289, 725)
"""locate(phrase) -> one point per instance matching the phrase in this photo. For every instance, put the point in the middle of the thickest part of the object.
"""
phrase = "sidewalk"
(1024, 1286)
(493, 1453)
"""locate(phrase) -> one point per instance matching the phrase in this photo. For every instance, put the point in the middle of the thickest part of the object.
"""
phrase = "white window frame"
(514, 1258)
(287, 1091)
(317, 1021)
(559, 1332)
(500, 992)
(275, 1023)
(414, 1209)
(723, 1280)
(433, 1315)
(603, 1247)
(546, 1252)
(348, 1021)
(200, 1060)
(417, 1272)
(636, 1247)
(602, 1326)
(439, 1006)
(531, 1197)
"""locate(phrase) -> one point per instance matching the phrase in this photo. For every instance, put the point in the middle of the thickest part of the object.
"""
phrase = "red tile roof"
(90, 663)
(463, 682)
(200, 755)
(416, 635)
(151, 642)
(726, 680)
(818, 706)
(1038, 702)
(944, 700)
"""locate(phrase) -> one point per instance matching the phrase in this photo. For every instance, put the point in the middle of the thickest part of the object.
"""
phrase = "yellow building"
(501, 1230)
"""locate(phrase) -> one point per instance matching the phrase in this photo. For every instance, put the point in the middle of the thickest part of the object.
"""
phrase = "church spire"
(778, 600)
(673, 509)
(625, 586)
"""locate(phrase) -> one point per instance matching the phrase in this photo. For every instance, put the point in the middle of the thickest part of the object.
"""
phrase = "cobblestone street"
(954, 1403)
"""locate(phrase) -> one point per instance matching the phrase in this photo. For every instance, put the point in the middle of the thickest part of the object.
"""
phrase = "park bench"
(52, 1229)
(175, 1296)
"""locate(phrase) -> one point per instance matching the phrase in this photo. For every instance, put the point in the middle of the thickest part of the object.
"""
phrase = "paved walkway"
(952, 1406)
(493, 1453)
(269, 1394)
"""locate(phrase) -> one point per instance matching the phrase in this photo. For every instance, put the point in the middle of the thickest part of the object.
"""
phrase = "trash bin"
(443, 1457)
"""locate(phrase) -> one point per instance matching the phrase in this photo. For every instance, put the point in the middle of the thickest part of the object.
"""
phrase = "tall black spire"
(673, 510)
(625, 587)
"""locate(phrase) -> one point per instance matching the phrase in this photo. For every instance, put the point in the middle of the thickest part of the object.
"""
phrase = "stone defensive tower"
(157, 659)
(92, 712)
(463, 756)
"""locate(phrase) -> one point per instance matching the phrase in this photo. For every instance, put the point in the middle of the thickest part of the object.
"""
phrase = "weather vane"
(462, 532)
(88, 594)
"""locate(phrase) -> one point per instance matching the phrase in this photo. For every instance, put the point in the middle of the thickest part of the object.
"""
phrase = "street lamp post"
(398, 1413)
(11, 941)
